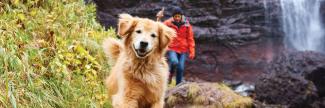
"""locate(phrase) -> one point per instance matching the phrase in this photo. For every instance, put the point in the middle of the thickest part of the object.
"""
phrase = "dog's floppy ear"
(125, 24)
(166, 35)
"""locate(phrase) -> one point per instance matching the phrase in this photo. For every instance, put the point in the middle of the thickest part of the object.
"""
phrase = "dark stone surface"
(219, 61)
(258, 104)
(237, 20)
(317, 76)
(295, 79)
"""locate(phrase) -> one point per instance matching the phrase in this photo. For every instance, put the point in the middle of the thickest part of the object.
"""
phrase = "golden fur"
(138, 82)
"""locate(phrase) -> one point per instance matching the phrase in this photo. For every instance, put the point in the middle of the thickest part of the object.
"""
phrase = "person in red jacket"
(182, 46)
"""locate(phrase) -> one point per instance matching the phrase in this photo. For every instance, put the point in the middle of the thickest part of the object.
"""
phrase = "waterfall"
(302, 25)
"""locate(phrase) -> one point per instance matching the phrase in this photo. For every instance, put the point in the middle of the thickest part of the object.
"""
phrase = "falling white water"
(302, 24)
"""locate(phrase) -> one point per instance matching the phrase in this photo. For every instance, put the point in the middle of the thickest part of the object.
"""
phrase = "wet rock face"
(232, 36)
(217, 61)
(295, 79)
(318, 78)
(301, 63)
(241, 21)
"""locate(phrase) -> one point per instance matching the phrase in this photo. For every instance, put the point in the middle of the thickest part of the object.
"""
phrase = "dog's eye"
(138, 31)
(153, 35)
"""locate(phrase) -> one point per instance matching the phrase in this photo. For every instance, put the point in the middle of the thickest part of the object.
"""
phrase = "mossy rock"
(207, 95)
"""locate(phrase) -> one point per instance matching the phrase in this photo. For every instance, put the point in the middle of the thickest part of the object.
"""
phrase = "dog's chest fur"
(144, 71)
(146, 76)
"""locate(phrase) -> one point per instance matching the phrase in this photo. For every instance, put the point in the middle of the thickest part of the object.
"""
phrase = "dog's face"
(144, 36)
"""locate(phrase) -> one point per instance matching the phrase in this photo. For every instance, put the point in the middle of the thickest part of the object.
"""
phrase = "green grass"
(51, 55)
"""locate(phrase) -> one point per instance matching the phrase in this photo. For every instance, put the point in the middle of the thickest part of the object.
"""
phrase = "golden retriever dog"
(138, 77)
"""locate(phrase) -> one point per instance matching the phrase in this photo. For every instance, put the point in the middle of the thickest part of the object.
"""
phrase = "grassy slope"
(50, 55)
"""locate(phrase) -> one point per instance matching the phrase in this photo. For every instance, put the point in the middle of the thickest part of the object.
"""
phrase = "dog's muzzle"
(142, 51)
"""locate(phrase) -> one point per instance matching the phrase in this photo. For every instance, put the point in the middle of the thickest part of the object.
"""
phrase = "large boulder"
(295, 79)
(202, 95)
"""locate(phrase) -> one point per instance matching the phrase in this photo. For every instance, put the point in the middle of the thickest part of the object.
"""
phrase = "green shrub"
(51, 55)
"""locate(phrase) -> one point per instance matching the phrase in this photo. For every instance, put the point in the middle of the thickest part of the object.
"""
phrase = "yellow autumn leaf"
(21, 17)
(33, 12)
(80, 49)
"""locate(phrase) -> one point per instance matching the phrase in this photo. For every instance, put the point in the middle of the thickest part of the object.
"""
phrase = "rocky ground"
(295, 79)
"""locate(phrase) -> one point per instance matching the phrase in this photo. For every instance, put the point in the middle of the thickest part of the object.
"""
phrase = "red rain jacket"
(184, 41)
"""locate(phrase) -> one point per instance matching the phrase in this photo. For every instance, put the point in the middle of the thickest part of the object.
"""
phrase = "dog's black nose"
(143, 44)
